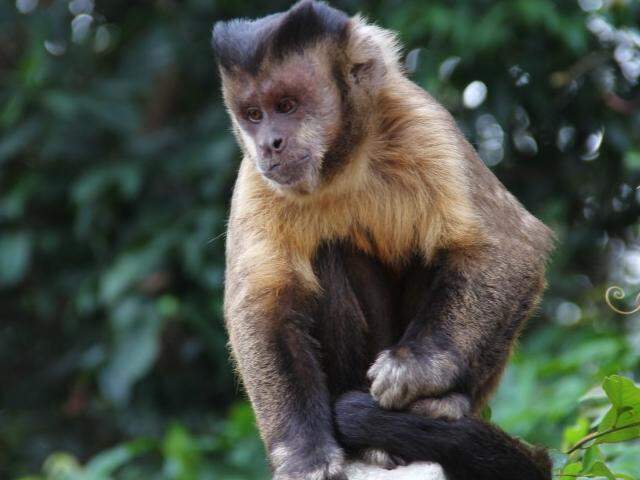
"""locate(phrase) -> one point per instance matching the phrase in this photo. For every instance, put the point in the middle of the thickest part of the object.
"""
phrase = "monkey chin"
(300, 186)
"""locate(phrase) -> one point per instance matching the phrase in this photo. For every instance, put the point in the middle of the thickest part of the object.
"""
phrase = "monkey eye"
(254, 114)
(286, 105)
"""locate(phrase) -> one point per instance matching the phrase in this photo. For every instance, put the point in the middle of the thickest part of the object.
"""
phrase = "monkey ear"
(363, 72)
(367, 68)
(369, 73)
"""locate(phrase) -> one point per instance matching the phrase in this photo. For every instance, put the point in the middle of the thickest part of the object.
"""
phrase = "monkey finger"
(374, 370)
(395, 398)
(381, 363)
(382, 387)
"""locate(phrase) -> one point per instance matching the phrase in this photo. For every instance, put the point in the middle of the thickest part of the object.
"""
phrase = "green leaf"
(17, 139)
(62, 466)
(130, 268)
(167, 306)
(571, 470)
(575, 432)
(486, 413)
(137, 335)
(241, 422)
(624, 415)
(121, 177)
(622, 392)
(627, 425)
(15, 256)
(592, 455)
(12, 110)
(105, 463)
(182, 453)
(609, 420)
(632, 160)
(598, 469)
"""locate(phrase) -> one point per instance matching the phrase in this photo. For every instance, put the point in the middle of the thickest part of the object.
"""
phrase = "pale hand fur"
(396, 382)
(286, 466)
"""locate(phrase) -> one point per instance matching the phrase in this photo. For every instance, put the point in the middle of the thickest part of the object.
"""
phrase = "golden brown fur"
(406, 190)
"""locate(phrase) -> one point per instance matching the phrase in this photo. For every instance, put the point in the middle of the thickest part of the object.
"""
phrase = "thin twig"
(594, 435)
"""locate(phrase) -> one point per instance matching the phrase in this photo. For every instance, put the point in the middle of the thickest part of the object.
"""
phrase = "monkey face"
(286, 118)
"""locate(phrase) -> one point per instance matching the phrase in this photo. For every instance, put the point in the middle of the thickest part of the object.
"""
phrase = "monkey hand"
(399, 376)
(318, 464)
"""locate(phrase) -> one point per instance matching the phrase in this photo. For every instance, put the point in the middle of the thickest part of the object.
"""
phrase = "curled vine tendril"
(618, 293)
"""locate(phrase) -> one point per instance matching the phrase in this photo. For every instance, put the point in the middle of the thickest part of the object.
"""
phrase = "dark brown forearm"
(461, 333)
(477, 311)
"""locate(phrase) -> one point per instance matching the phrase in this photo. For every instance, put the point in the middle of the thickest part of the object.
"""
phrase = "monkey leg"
(353, 323)
(352, 316)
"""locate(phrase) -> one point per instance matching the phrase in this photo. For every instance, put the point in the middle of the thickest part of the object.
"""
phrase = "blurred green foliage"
(614, 418)
(116, 165)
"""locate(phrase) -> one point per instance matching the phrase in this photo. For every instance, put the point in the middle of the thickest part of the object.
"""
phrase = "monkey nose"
(278, 144)
(274, 146)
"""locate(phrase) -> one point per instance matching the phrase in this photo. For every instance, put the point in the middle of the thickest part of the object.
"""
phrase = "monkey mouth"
(288, 173)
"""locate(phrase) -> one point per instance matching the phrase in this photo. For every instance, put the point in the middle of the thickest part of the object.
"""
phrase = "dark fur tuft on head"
(244, 44)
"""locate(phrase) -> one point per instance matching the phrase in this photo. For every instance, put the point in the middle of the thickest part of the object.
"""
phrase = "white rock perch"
(415, 471)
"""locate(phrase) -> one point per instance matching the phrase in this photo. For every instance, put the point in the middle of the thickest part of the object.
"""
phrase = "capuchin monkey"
(378, 274)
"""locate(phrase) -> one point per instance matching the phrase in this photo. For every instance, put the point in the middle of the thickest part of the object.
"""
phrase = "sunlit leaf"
(62, 466)
(570, 471)
(182, 453)
(598, 469)
(627, 426)
(622, 392)
(624, 416)
(575, 432)
(592, 455)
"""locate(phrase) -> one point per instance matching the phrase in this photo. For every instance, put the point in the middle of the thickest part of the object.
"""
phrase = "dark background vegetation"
(116, 167)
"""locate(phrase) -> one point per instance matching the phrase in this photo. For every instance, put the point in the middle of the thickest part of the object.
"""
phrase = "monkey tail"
(467, 449)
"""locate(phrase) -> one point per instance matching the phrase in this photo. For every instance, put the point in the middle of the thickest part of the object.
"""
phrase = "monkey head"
(296, 85)
(284, 122)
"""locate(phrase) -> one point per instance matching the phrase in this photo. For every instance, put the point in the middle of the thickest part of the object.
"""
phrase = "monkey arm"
(267, 316)
(287, 388)
(463, 327)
